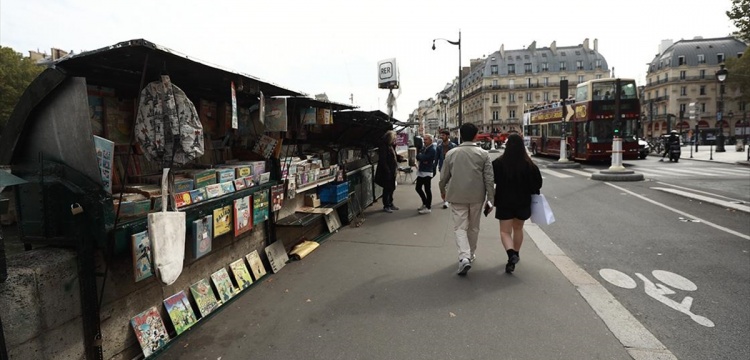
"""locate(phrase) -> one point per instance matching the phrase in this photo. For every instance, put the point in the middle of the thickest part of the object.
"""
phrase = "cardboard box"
(312, 200)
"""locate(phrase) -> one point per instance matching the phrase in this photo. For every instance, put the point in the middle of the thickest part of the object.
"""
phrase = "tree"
(739, 75)
(16, 73)
(740, 15)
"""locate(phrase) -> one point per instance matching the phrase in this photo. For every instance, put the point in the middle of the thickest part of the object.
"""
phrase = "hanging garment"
(165, 114)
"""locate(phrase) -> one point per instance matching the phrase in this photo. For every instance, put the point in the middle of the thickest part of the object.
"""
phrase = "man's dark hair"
(468, 132)
(446, 132)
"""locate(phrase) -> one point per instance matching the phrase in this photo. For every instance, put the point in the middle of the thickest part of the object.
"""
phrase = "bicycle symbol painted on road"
(660, 291)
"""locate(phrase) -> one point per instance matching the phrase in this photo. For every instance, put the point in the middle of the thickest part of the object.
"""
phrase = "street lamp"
(721, 75)
(460, 96)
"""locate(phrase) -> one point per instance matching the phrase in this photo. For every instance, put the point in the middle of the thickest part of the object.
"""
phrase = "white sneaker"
(473, 258)
(425, 211)
(422, 208)
(445, 205)
(463, 266)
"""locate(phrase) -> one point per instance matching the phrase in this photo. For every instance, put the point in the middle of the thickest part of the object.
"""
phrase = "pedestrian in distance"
(516, 178)
(672, 139)
(425, 172)
(444, 145)
(466, 181)
(385, 175)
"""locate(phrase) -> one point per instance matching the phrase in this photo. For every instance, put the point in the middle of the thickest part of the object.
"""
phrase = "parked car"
(643, 148)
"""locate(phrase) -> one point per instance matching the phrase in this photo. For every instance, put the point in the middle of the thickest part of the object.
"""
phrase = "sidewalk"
(389, 290)
(705, 153)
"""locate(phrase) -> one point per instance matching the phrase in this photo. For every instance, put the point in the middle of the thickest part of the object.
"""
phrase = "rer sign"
(388, 74)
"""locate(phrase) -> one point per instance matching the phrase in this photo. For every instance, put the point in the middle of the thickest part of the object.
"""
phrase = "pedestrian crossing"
(672, 172)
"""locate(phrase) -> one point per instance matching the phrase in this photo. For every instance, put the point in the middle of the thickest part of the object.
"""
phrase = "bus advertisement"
(589, 122)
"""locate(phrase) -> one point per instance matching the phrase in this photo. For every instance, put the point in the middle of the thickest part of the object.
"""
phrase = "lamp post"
(460, 96)
(721, 75)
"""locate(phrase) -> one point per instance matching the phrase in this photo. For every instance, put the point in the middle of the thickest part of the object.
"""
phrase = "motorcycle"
(674, 152)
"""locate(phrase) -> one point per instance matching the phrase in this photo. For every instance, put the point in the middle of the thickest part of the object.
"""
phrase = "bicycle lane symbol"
(660, 291)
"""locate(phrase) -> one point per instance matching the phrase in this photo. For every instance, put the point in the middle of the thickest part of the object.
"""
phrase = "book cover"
(256, 265)
(214, 191)
(150, 331)
(241, 275)
(277, 256)
(142, 264)
(180, 312)
(260, 206)
(249, 181)
(202, 236)
(104, 152)
(182, 199)
(222, 220)
(239, 184)
(227, 187)
(223, 284)
(204, 297)
(242, 221)
(198, 195)
(277, 197)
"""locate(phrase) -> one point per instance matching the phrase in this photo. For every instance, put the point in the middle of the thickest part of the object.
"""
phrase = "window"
(666, 77)
(703, 107)
(512, 114)
(512, 97)
(528, 96)
(683, 75)
(681, 60)
(511, 84)
(494, 82)
(579, 64)
(703, 74)
(563, 78)
(598, 63)
(720, 58)
(701, 59)
(657, 93)
(511, 68)
(545, 66)
(528, 82)
(495, 98)
(580, 79)
(495, 115)
(562, 53)
(546, 81)
(545, 97)
(562, 65)
(527, 68)
(683, 109)
(598, 76)
(493, 69)
(683, 90)
(739, 55)
(703, 90)
(743, 106)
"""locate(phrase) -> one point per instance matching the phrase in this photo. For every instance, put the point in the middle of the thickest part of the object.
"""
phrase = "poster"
(143, 267)
(324, 117)
(150, 331)
(241, 275)
(180, 312)
(202, 236)
(308, 116)
(256, 265)
(104, 151)
(204, 297)
(235, 122)
(242, 216)
(260, 206)
(277, 197)
(222, 220)
(276, 114)
(223, 284)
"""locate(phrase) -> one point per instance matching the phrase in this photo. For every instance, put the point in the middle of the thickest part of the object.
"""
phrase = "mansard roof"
(690, 49)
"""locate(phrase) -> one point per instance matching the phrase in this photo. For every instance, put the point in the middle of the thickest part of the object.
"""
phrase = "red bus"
(590, 125)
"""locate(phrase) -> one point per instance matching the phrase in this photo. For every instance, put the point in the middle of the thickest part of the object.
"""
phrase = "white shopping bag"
(541, 213)
(167, 232)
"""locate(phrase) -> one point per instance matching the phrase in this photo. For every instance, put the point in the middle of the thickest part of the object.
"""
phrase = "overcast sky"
(333, 46)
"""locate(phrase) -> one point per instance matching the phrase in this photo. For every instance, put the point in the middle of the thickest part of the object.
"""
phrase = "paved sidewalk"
(389, 290)
(708, 153)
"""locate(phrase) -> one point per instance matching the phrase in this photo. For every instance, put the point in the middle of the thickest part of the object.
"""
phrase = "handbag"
(541, 212)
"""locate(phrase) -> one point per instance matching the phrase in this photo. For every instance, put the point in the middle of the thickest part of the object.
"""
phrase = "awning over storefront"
(683, 125)
(703, 124)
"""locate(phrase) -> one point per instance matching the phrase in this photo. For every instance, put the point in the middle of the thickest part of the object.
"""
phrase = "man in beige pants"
(467, 183)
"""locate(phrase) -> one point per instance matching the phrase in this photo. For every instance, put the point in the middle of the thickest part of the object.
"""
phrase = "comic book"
(180, 312)
(142, 260)
(256, 265)
(150, 331)
(223, 284)
(241, 275)
(222, 220)
(202, 236)
(242, 216)
(277, 197)
(204, 297)
(260, 206)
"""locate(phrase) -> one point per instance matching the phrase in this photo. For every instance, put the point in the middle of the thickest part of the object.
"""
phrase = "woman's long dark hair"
(515, 161)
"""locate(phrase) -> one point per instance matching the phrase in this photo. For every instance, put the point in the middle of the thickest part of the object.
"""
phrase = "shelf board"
(315, 184)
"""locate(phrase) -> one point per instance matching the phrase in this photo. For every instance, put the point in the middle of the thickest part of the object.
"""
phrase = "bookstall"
(91, 136)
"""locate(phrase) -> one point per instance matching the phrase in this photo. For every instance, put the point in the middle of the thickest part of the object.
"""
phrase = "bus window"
(582, 93)
(628, 90)
(555, 130)
(630, 130)
(601, 131)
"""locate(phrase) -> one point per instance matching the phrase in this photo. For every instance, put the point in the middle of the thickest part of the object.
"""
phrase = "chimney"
(596, 45)
(553, 47)
(502, 51)
(532, 47)
(586, 44)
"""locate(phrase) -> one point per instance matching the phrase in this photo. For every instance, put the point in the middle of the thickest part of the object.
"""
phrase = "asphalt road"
(681, 266)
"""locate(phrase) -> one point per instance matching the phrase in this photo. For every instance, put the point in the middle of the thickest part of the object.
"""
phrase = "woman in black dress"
(385, 175)
(516, 178)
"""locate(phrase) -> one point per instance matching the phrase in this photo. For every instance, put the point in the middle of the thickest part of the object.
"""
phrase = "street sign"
(718, 116)
(569, 114)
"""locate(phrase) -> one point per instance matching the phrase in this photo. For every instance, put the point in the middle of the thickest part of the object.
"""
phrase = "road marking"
(734, 171)
(555, 173)
(699, 191)
(579, 172)
(693, 172)
(710, 200)
(658, 172)
(640, 343)
(719, 227)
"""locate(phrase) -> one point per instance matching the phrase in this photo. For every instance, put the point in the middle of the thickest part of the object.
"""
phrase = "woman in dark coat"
(516, 178)
(385, 175)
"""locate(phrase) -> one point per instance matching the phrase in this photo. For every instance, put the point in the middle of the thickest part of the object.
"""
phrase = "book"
(150, 331)
(214, 191)
(198, 195)
(241, 275)
(256, 265)
(242, 216)
(143, 266)
(223, 284)
(227, 187)
(249, 181)
(277, 197)
(204, 297)
(182, 199)
(104, 152)
(277, 256)
(239, 184)
(222, 220)
(202, 236)
(180, 312)
(260, 206)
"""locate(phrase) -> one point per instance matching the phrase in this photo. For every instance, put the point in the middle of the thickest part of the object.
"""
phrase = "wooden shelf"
(315, 184)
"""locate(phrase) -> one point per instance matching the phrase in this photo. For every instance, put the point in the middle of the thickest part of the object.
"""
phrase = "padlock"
(76, 209)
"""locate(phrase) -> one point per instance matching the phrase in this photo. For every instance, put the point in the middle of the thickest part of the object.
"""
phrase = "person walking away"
(425, 172)
(444, 145)
(672, 139)
(516, 178)
(466, 181)
(385, 175)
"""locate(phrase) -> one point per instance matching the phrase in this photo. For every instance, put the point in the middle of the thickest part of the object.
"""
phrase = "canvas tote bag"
(541, 212)
(167, 232)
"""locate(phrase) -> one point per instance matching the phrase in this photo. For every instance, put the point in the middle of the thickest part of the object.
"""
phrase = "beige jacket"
(467, 177)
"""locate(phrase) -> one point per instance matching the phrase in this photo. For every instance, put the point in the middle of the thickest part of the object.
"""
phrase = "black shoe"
(393, 207)
(511, 265)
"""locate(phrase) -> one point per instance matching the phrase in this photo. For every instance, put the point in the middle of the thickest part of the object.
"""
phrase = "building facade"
(684, 73)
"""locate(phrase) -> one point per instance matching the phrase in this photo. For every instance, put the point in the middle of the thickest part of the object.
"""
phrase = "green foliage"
(738, 76)
(16, 73)
(740, 15)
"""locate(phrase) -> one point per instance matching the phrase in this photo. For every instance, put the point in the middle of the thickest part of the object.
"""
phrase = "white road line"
(640, 343)
(734, 171)
(578, 172)
(719, 227)
(555, 173)
(698, 191)
(591, 170)
(693, 172)
(707, 199)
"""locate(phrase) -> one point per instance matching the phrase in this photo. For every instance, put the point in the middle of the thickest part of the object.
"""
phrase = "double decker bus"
(590, 122)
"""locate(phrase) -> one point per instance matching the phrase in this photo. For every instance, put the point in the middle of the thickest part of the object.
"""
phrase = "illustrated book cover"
(223, 284)
(277, 197)
(260, 206)
(202, 236)
(256, 265)
(222, 220)
(241, 275)
(204, 297)
(150, 331)
(180, 312)
(242, 216)
(277, 256)
(143, 267)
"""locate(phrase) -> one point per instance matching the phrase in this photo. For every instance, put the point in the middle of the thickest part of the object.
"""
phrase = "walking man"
(466, 181)
(444, 145)
(426, 170)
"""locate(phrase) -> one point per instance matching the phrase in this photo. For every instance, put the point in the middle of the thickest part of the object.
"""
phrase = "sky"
(333, 46)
